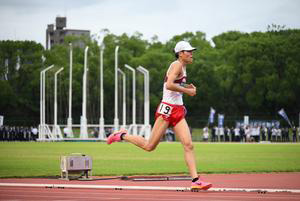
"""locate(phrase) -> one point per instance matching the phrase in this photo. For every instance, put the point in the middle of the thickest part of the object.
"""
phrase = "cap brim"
(190, 49)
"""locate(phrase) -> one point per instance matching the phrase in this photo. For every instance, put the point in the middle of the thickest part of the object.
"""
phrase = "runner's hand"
(191, 90)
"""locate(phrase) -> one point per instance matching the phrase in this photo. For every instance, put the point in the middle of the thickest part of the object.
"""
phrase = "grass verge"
(41, 159)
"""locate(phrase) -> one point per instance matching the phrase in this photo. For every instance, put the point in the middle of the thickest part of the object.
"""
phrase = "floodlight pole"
(56, 130)
(124, 97)
(134, 127)
(146, 101)
(101, 120)
(69, 121)
(116, 119)
(83, 119)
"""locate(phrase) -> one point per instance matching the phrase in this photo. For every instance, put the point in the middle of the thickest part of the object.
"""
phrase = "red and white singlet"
(171, 107)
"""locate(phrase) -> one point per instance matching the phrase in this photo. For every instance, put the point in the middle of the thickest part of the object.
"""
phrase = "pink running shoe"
(200, 185)
(116, 136)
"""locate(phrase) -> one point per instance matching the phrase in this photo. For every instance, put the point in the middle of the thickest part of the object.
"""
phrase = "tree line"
(236, 73)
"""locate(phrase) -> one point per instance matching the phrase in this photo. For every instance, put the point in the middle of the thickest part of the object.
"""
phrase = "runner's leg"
(158, 130)
(183, 133)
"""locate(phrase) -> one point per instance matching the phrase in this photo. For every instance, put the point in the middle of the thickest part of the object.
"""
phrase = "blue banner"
(220, 120)
(211, 115)
(283, 114)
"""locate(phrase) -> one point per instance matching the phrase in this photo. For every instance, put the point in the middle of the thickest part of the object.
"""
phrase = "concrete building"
(56, 35)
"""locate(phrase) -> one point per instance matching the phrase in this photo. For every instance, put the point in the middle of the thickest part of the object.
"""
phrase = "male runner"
(171, 112)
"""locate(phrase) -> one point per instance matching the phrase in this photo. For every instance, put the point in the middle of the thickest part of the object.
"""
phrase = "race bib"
(165, 109)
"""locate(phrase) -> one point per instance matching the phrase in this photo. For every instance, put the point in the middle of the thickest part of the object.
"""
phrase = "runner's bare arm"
(175, 72)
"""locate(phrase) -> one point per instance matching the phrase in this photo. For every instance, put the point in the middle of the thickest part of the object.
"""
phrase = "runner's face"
(187, 56)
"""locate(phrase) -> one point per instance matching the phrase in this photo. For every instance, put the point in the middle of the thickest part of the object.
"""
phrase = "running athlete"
(171, 112)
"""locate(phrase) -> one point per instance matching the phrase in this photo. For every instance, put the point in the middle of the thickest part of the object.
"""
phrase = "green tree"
(21, 88)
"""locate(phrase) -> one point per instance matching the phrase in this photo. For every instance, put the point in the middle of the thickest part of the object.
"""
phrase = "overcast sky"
(28, 19)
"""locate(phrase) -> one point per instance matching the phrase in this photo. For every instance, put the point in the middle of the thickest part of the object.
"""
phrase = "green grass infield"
(42, 159)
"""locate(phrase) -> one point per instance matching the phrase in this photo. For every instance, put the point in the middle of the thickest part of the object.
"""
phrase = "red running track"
(269, 181)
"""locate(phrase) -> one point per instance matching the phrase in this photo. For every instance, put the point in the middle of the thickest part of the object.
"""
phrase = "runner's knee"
(149, 148)
(188, 146)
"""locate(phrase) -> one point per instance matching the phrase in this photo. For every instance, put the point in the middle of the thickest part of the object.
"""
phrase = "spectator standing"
(221, 134)
(66, 132)
(285, 134)
(242, 134)
(96, 132)
(279, 135)
(232, 134)
(1, 133)
(288, 134)
(170, 136)
(274, 134)
(257, 134)
(205, 134)
(294, 131)
(237, 134)
(248, 133)
(263, 133)
(269, 133)
(213, 134)
(226, 133)
(34, 133)
(6, 133)
(217, 134)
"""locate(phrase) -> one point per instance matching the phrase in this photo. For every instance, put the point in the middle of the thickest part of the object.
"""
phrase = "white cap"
(183, 45)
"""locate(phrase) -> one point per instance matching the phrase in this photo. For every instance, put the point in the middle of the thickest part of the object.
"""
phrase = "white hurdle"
(144, 129)
(133, 127)
(56, 132)
(44, 129)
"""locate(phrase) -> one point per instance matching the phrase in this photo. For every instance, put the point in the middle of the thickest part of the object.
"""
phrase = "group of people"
(18, 133)
(251, 134)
